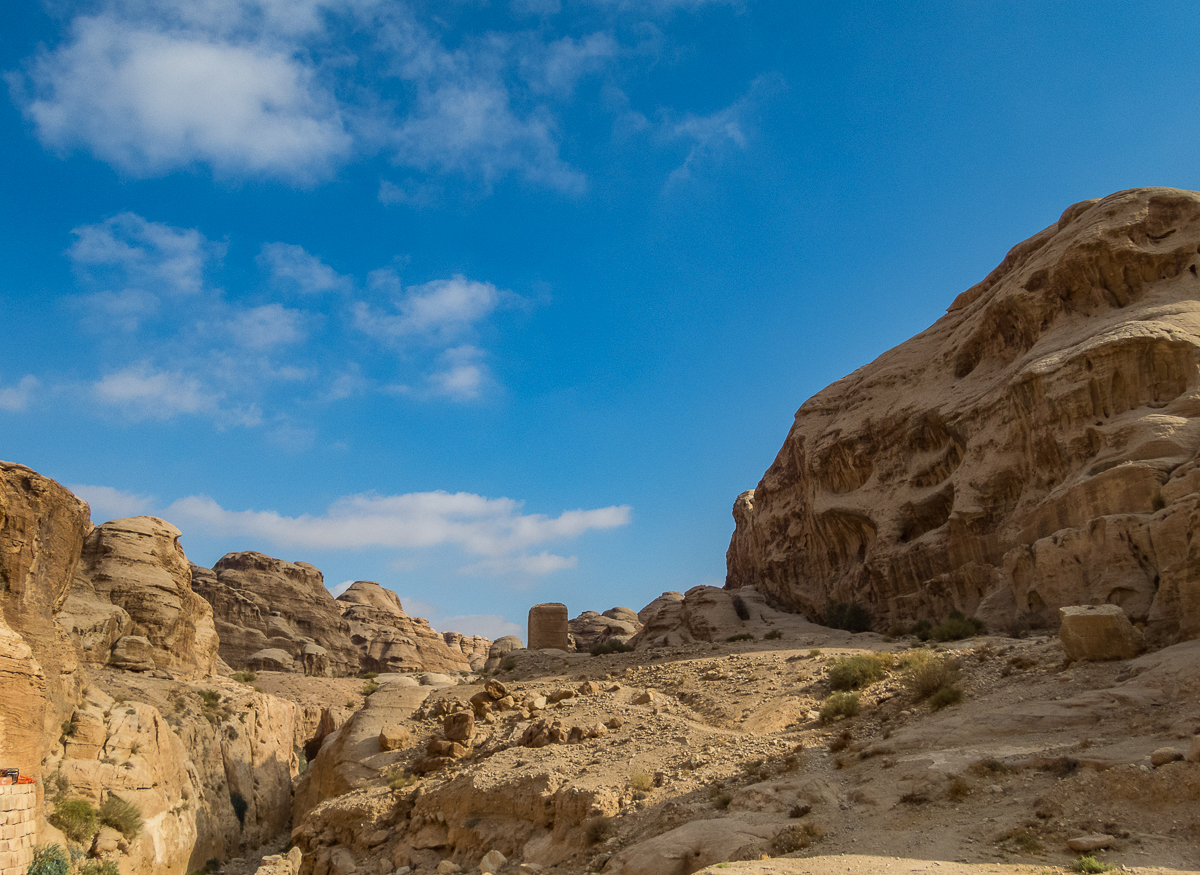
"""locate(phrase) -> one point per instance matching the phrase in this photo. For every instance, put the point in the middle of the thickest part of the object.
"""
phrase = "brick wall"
(18, 827)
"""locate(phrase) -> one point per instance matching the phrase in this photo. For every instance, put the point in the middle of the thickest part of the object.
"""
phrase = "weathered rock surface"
(474, 647)
(42, 527)
(548, 626)
(392, 641)
(1098, 632)
(1035, 448)
(707, 613)
(590, 628)
(261, 603)
(134, 580)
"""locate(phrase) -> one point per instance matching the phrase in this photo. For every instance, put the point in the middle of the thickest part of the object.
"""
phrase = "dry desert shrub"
(598, 829)
(856, 672)
(838, 706)
(796, 838)
(640, 781)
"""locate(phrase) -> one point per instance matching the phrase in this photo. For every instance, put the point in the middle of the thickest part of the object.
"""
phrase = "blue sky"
(505, 302)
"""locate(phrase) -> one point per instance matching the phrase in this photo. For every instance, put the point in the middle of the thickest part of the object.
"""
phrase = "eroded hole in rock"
(925, 516)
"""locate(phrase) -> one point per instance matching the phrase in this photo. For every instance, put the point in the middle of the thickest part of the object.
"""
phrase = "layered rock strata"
(266, 604)
(1035, 448)
(389, 640)
(133, 584)
(42, 527)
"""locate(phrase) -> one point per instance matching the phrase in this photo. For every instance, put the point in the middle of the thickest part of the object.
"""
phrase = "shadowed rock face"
(1034, 448)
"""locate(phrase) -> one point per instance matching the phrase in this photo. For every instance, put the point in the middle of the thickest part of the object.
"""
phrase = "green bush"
(641, 781)
(49, 860)
(370, 687)
(122, 815)
(839, 705)
(773, 635)
(76, 819)
(1090, 865)
(100, 867)
(368, 675)
(745, 636)
(245, 677)
(856, 672)
(851, 617)
(238, 801)
(931, 678)
(956, 627)
(211, 698)
(945, 696)
(612, 645)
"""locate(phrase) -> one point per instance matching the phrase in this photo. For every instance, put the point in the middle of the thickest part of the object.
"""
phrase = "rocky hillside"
(1035, 447)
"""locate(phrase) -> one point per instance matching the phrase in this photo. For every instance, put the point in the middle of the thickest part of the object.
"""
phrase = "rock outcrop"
(707, 613)
(42, 527)
(474, 647)
(134, 582)
(389, 640)
(1035, 448)
(590, 628)
(261, 603)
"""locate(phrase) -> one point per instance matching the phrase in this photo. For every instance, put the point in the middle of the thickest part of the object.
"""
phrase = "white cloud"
(542, 563)
(336, 591)
(268, 326)
(463, 376)
(491, 626)
(436, 311)
(152, 100)
(557, 67)
(14, 399)
(112, 504)
(142, 256)
(143, 392)
(292, 266)
(713, 135)
(489, 527)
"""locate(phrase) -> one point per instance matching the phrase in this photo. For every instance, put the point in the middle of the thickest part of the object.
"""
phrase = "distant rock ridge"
(389, 640)
(1034, 448)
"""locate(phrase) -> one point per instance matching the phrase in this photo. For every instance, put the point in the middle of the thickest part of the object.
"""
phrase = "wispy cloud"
(141, 392)
(463, 376)
(436, 311)
(291, 266)
(495, 528)
(112, 504)
(14, 399)
(149, 257)
(711, 136)
(265, 327)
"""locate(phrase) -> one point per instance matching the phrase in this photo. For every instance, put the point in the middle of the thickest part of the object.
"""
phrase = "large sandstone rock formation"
(590, 628)
(389, 640)
(134, 580)
(42, 527)
(264, 604)
(1035, 448)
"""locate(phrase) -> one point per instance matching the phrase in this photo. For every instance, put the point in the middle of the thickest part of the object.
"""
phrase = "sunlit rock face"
(1034, 448)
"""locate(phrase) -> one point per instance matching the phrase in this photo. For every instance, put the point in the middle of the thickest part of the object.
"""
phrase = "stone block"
(1098, 632)
(548, 627)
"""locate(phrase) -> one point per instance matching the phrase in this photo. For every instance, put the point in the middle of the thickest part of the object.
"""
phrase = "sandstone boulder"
(390, 640)
(693, 846)
(499, 649)
(1035, 448)
(1098, 632)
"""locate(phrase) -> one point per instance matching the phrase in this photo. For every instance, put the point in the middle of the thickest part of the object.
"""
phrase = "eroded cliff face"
(1036, 447)
(280, 609)
(42, 527)
(389, 640)
(133, 579)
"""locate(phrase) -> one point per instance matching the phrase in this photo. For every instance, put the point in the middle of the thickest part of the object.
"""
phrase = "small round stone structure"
(548, 626)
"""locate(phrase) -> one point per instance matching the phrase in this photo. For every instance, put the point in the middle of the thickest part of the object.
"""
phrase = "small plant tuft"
(720, 797)
(76, 819)
(370, 687)
(597, 829)
(773, 635)
(245, 677)
(122, 815)
(49, 860)
(640, 781)
(69, 728)
(100, 867)
(211, 698)
(856, 672)
(744, 636)
(1090, 864)
(838, 706)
